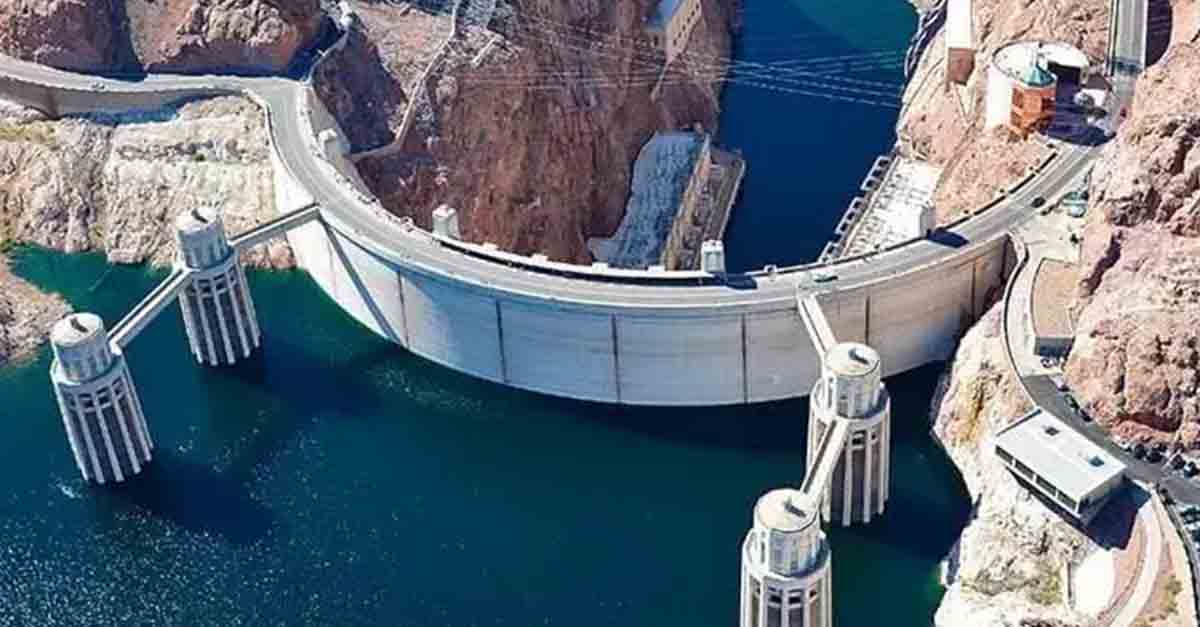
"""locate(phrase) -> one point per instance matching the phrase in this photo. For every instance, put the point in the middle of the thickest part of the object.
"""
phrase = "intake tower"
(100, 408)
(222, 326)
(850, 390)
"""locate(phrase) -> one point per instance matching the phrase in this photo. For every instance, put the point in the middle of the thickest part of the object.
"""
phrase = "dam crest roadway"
(591, 332)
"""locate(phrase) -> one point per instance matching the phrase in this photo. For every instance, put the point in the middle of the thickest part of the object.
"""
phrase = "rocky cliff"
(944, 124)
(1136, 361)
(259, 36)
(532, 139)
(70, 34)
(1009, 561)
(25, 316)
(115, 183)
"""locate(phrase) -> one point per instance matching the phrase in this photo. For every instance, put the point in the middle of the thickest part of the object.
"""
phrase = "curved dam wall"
(647, 356)
(743, 351)
(643, 355)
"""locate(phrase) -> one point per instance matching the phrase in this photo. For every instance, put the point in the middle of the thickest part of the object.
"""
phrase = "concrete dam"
(639, 337)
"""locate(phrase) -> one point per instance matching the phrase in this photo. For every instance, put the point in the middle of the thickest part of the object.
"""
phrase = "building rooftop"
(784, 510)
(661, 175)
(1059, 453)
(1029, 61)
(198, 219)
(852, 359)
(76, 329)
(906, 190)
(958, 24)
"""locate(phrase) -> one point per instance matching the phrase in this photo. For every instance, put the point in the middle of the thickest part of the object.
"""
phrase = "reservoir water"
(337, 480)
(806, 155)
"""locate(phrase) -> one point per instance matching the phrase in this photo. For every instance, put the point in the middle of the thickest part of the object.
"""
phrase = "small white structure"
(786, 575)
(332, 143)
(100, 408)
(445, 222)
(218, 313)
(899, 206)
(1023, 81)
(1058, 461)
(712, 257)
(851, 390)
(960, 41)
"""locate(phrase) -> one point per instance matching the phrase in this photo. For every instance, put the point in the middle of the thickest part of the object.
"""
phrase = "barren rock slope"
(535, 145)
(115, 183)
(1136, 361)
(258, 36)
(1010, 556)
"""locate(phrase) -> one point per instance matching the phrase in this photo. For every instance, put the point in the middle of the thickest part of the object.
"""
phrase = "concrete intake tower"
(100, 407)
(222, 326)
(786, 574)
(851, 391)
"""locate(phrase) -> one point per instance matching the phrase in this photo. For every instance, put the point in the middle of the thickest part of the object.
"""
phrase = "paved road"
(1042, 389)
(346, 210)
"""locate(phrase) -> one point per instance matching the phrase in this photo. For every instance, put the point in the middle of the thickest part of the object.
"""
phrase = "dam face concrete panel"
(453, 326)
(917, 318)
(364, 286)
(562, 352)
(781, 360)
(680, 360)
(846, 312)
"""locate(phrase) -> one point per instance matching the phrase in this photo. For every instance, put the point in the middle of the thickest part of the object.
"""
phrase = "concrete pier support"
(218, 313)
(851, 391)
(100, 408)
(786, 571)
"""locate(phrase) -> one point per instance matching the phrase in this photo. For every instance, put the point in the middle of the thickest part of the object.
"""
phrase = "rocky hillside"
(535, 145)
(1136, 361)
(71, 34)
(116, 183)
(259, 36)
(1010, 557)
(26, 315)
(945, 124)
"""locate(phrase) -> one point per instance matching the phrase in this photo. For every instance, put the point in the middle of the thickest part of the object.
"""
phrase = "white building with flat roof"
(1052, 457)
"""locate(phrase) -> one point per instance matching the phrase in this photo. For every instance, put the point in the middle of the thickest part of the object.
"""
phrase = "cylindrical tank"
(786, 571)
(101, 412)
(218, 313)
(851, 390)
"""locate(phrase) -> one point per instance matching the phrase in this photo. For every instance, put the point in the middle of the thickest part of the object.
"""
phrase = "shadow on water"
(193, 496)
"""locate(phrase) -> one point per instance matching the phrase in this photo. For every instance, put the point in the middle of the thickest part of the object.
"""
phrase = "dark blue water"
(337, 480)
(807, 154)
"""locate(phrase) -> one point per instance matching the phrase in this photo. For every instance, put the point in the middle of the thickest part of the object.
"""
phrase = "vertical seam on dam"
(500, 337)
(745, 365)
(404, 312)
(867, 319)
(616, 358)
(974, 293)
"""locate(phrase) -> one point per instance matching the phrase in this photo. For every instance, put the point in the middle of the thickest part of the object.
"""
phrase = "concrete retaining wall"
(646, 356)
(56, 101)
